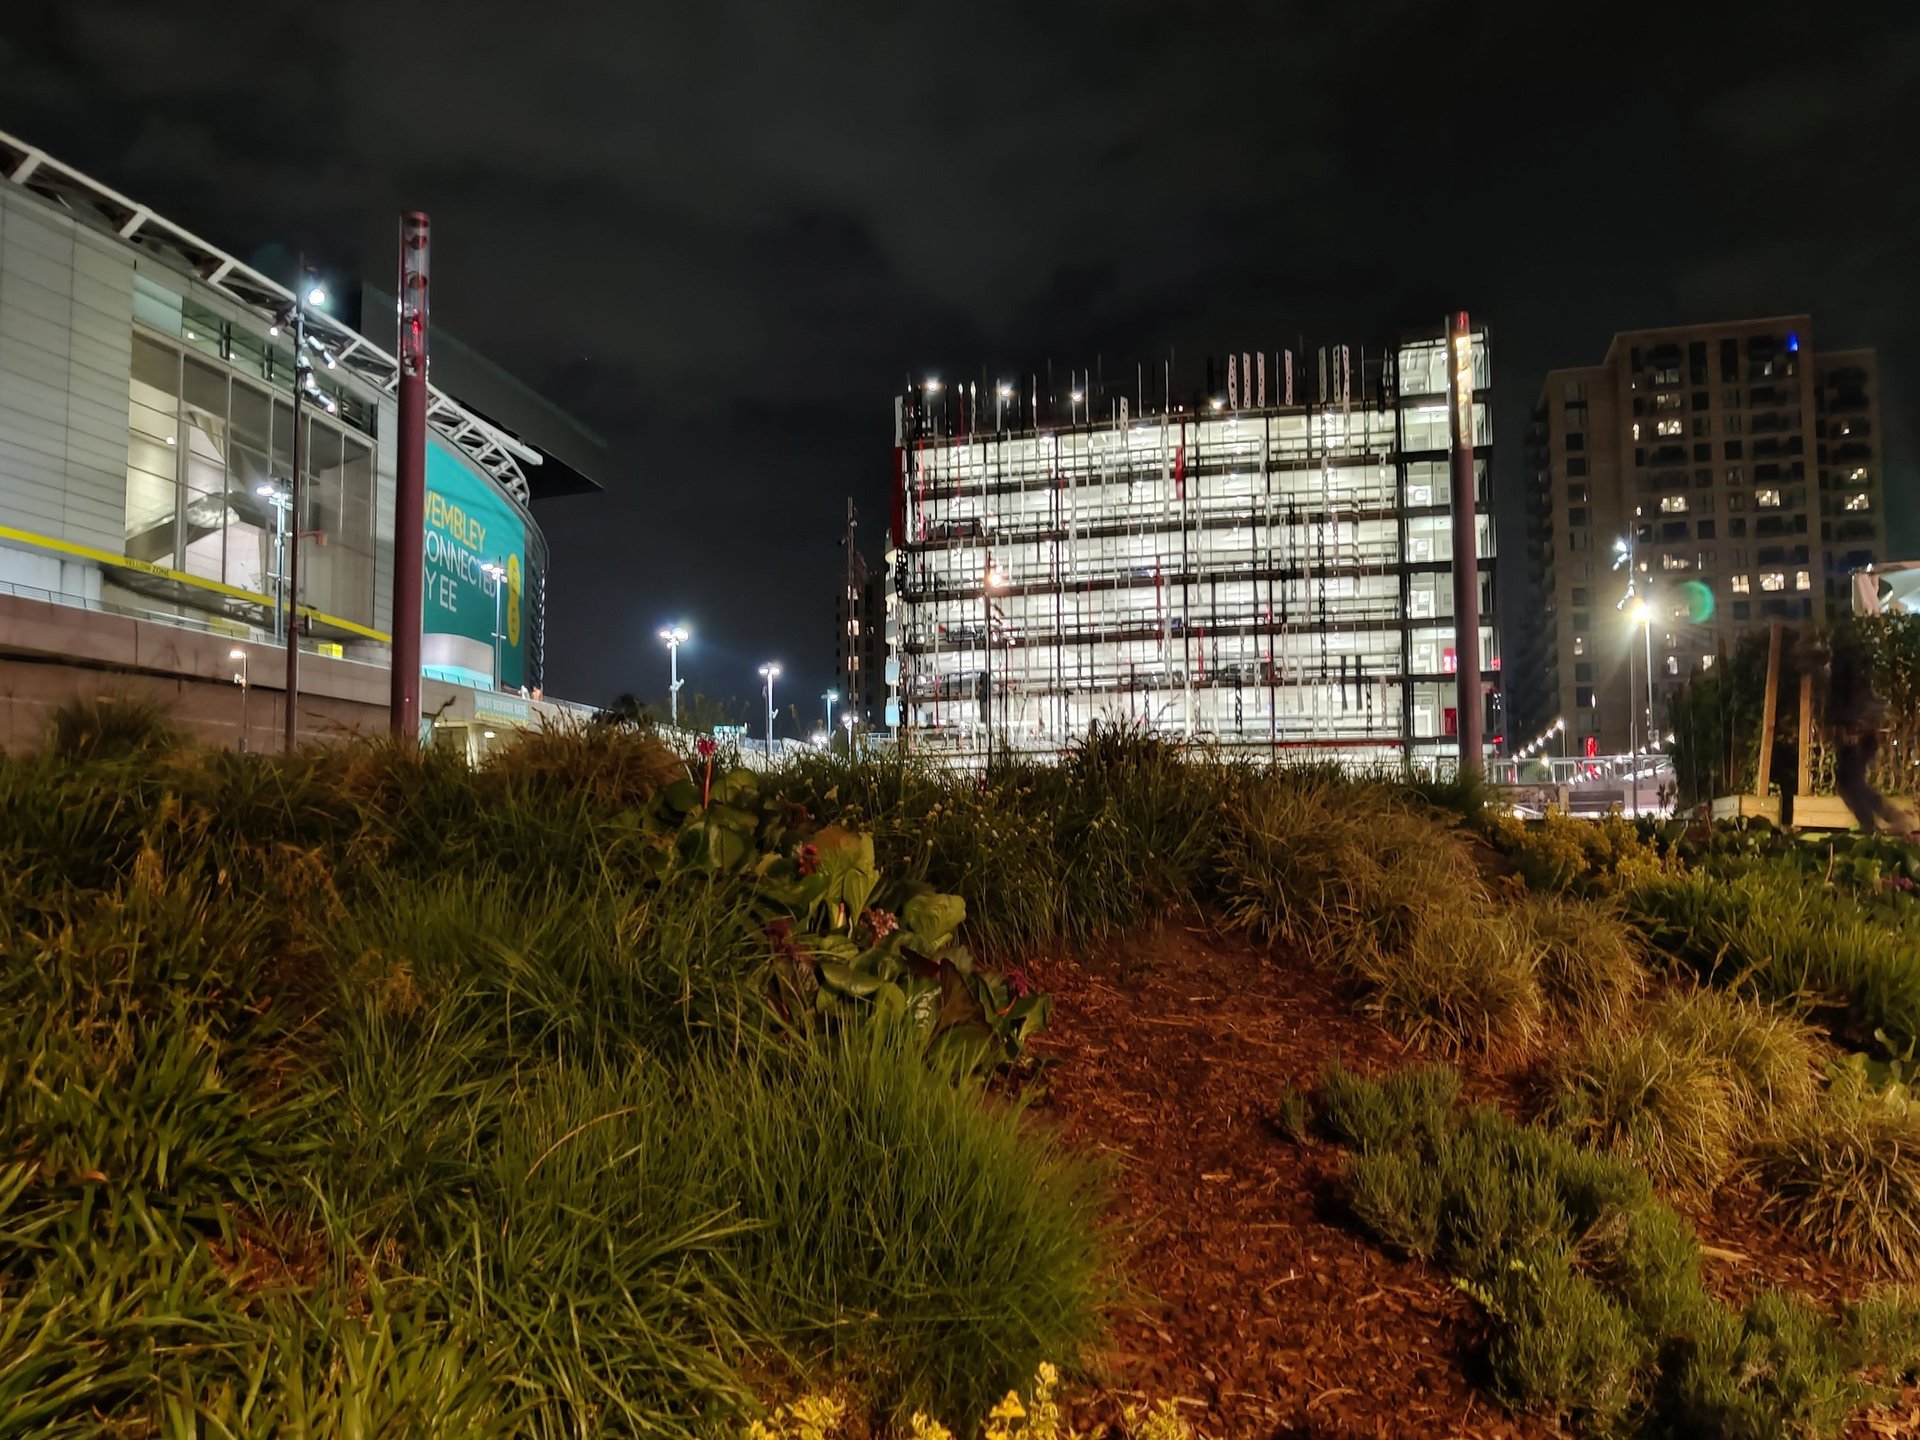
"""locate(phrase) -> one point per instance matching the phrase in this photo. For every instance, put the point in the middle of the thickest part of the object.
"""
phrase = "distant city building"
(860, 646)
(146, 450)
(1266, 565)
(1729, 473)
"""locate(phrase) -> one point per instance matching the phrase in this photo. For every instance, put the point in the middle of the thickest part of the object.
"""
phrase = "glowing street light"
(675, 636)
(769, 672)
(830, 696)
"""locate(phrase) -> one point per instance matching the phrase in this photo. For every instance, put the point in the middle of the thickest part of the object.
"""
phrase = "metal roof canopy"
(496, 452)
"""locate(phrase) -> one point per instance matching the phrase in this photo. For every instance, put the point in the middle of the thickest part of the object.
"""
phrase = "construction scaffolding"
(1258, 576)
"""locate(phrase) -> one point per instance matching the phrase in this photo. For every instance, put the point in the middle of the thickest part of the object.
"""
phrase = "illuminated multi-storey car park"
(1267, 577)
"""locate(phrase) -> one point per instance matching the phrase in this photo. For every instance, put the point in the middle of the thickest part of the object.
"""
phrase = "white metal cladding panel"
(30, 485)
(66, 305)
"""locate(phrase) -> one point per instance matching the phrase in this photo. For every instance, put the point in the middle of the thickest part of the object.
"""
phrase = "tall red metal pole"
(1469, 704)
(410, 491)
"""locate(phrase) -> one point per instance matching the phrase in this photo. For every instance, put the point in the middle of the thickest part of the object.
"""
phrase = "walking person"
(1854, 716)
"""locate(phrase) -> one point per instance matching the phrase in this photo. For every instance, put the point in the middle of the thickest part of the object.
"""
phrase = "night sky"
(722, 233)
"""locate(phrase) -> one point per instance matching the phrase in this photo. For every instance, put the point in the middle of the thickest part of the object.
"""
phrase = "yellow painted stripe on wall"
(198, 582)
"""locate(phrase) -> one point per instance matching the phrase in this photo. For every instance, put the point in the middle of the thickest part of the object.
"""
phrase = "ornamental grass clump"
(1844, 1173)
(1652, 1100)
(1688, 1091)
(1470, 983)
(1587, 960)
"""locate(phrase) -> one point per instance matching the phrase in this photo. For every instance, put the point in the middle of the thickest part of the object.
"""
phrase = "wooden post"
(1765, 776)
(1804, 781)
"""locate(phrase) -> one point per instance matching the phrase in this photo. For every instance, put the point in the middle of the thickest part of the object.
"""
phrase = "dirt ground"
(1262, 1307)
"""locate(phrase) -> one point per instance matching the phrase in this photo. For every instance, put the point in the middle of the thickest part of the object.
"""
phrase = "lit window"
(1673, 664)
(1740, 585)
(1675, 562)
(1857, 502)
(1673, 504)
(1859, 473)
(1670, 427)
(1767, 499)
(1636, 429)
(1579, 644)
(1802, 580)
(1773, 580)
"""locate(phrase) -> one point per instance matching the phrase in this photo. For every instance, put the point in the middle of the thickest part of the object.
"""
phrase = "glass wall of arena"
(1276, 578)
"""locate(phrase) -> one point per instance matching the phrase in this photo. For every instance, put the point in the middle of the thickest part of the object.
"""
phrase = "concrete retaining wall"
(51, 654)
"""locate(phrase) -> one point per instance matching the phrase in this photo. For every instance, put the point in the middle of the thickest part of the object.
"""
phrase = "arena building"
(146, 453)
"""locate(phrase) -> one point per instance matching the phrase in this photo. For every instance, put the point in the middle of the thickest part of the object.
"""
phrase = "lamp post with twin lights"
(675, 636)
(769, 672)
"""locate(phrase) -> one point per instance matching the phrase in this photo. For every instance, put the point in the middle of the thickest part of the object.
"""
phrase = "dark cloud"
(724, 232)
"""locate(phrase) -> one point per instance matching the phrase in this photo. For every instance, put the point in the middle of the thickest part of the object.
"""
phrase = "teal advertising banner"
(469, 527)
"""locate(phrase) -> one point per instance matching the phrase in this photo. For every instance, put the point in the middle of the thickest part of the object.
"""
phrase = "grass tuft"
(111, 728)
(1468, 984)
(1845, 1173)
(1588, 960)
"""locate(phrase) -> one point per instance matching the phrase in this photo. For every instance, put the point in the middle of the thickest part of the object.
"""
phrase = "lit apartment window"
(1579, 644)
(1802, 580)
(1857, 502)
(1666, 402)
(1673, 504)
(1706, 662)
(1673, 664)
(1846, 429)
(1740, 585)
(1636, 429)
(1675, 562)
(1773, 580)
(1671, 427)
(1767, 499)
(1859, 474)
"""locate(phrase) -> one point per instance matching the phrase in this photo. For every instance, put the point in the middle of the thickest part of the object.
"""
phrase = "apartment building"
(1698, 483)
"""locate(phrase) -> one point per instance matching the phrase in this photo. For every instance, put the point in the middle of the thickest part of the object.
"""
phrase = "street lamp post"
(281, 503)
(498, 574)
(990, 581)
(675, 636)
(830, 696)
(768, 672)
(237, 653)
(305, 293)
(1645, 615)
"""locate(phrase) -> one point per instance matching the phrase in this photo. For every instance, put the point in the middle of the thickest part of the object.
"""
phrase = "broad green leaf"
(935, 918)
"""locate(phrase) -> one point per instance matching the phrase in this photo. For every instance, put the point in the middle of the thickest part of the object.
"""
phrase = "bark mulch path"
(1262, 1307)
